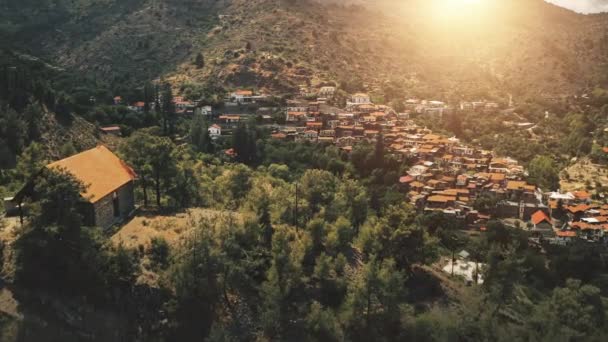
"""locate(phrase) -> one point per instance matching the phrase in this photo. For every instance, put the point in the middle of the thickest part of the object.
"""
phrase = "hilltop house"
(109, 182)
(215, 131)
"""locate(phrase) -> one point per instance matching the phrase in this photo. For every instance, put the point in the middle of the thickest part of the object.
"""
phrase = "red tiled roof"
(577, 209)
(406, 179)
(539, 217)
(565, 233)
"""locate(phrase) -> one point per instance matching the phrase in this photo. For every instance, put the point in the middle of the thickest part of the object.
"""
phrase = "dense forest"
(306, 243)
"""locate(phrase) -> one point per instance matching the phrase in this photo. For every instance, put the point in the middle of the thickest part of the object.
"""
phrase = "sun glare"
(449, 13)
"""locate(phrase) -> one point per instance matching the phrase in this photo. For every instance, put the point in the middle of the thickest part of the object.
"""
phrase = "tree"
(153, 159)
(372, 306)
(32, 116)
(199, 135)
(263, 216)
(318, 188)
(168, 109)
(185, 190)
(199, 61)
(544, 173)
(30, 162)
(67, 150)
(13, 131)
(379, 152)
(163, 165)
(574, 312)
(244, 144)
(322, 324)
(54, 251)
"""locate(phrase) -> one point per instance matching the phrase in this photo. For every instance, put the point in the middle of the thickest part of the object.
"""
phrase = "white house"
(360, 98)
(241, 96)
(205, 110)
(327, 91)
(215, 131)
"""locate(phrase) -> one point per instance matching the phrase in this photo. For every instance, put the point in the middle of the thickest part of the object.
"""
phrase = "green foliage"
(199, 135)
(544, 173)
(56, 254)
(153, 158)
(199, 61)
(159, 252)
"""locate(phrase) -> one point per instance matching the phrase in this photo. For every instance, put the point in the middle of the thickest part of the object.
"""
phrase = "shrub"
(159, 252)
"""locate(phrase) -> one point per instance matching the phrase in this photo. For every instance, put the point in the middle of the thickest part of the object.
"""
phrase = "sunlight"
(459, 14)
(456, 8)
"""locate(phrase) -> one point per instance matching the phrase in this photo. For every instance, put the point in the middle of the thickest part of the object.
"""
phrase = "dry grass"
(174, 228)
(583, 175)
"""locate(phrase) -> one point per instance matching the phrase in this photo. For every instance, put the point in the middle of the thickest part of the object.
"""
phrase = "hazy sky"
(583, 6)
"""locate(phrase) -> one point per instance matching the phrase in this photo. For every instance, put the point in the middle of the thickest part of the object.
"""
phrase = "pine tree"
(199, 61)
(379, 152)
(168, 110)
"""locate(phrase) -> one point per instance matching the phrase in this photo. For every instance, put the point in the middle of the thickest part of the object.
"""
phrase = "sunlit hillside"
(485, 46)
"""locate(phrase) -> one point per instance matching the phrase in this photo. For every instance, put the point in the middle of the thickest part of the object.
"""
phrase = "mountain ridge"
(277, 45)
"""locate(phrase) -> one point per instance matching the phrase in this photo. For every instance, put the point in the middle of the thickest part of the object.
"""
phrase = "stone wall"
(104, 208)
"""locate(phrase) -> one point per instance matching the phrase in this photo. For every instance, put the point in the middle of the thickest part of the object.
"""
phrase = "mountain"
(523, 47)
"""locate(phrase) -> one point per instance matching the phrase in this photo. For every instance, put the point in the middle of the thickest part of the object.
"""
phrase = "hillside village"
(282, 170)
(446, 175)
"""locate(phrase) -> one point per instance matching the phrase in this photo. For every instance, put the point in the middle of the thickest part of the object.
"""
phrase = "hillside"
(526, 48)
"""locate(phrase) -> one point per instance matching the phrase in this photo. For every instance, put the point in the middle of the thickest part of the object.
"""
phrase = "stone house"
(108, 198)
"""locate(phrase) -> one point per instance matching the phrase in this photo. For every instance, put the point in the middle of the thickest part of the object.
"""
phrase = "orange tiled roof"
(519, 185)
(585, 226)
(582, 195)
(441, 199)
(243, 92)
(565, 233)
(539, 217)
(578, 208)
(99, 169)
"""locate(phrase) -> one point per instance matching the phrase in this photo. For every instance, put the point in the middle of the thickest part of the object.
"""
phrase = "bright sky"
(583, 6)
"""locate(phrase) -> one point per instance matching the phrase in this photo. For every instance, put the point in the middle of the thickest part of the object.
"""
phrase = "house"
(241, 96)
(360, 98)
(542, 224)
(293, 116)
(183, 106)
(204, 110)
(113, 130)
(327, 91)
(138, 106)
(108, 198)
(215, 131)
(564, 237)
(311, 135)
(230, 119)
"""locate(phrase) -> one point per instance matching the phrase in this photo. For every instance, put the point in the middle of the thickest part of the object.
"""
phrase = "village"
(446, 175)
